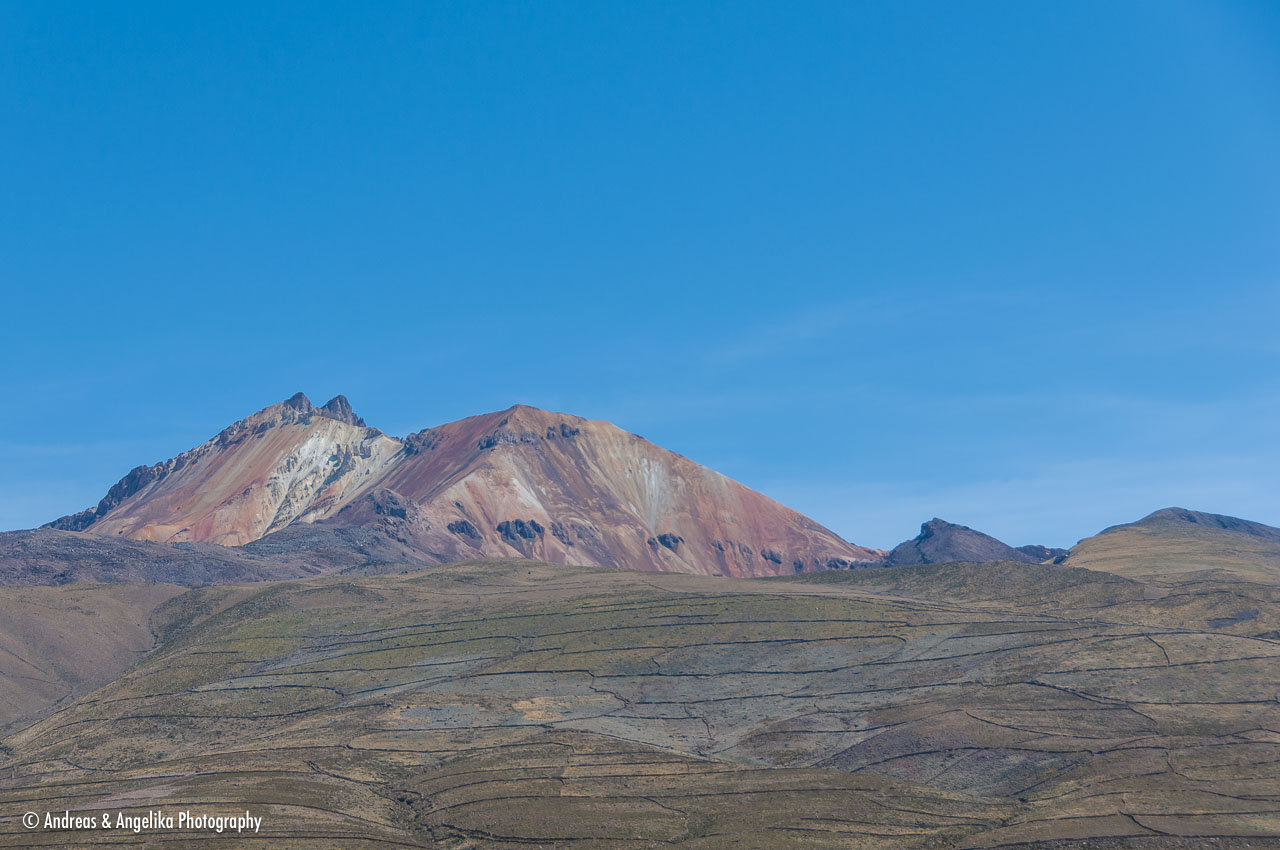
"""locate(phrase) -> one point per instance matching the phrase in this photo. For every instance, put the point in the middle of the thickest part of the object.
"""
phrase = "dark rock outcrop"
(666, 540)
(299, 401)
(389, 503)
(340, 409)
(506, 437)
(422, 441)
(564, 431)
(464, 528)
(561, 533)
(516, 529)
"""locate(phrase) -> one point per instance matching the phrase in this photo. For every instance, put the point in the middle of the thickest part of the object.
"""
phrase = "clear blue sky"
(1012, 264)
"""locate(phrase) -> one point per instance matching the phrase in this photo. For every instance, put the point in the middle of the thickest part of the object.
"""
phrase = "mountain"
(941, 542)
(1178, 541)
(286, 462)
(294, 478)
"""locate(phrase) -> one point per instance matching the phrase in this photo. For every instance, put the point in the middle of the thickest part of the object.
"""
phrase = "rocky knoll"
(941, 542)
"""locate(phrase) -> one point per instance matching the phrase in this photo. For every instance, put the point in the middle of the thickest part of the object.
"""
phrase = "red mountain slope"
(519, 482)
(255, 477)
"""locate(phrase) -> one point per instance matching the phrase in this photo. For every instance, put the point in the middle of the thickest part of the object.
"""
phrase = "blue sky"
(1012, 264)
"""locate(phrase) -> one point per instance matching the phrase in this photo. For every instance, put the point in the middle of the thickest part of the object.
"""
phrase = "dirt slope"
(57, 643)
(513, 704)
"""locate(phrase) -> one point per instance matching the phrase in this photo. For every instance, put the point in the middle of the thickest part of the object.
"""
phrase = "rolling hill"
(514, 704)
(1180, 542)
(58, 643)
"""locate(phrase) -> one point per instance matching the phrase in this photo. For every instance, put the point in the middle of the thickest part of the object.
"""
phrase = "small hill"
(1177, 542)
(1179, 520)
(940, 542)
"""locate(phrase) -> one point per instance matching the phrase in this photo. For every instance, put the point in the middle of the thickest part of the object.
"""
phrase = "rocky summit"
(940, 542)
(521, 482)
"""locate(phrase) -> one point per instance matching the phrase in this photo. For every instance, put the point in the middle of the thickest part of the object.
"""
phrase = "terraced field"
(513, 704)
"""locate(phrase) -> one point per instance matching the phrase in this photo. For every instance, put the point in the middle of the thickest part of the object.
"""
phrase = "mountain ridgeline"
(941, 542)
(295, 479)
(297, 490)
